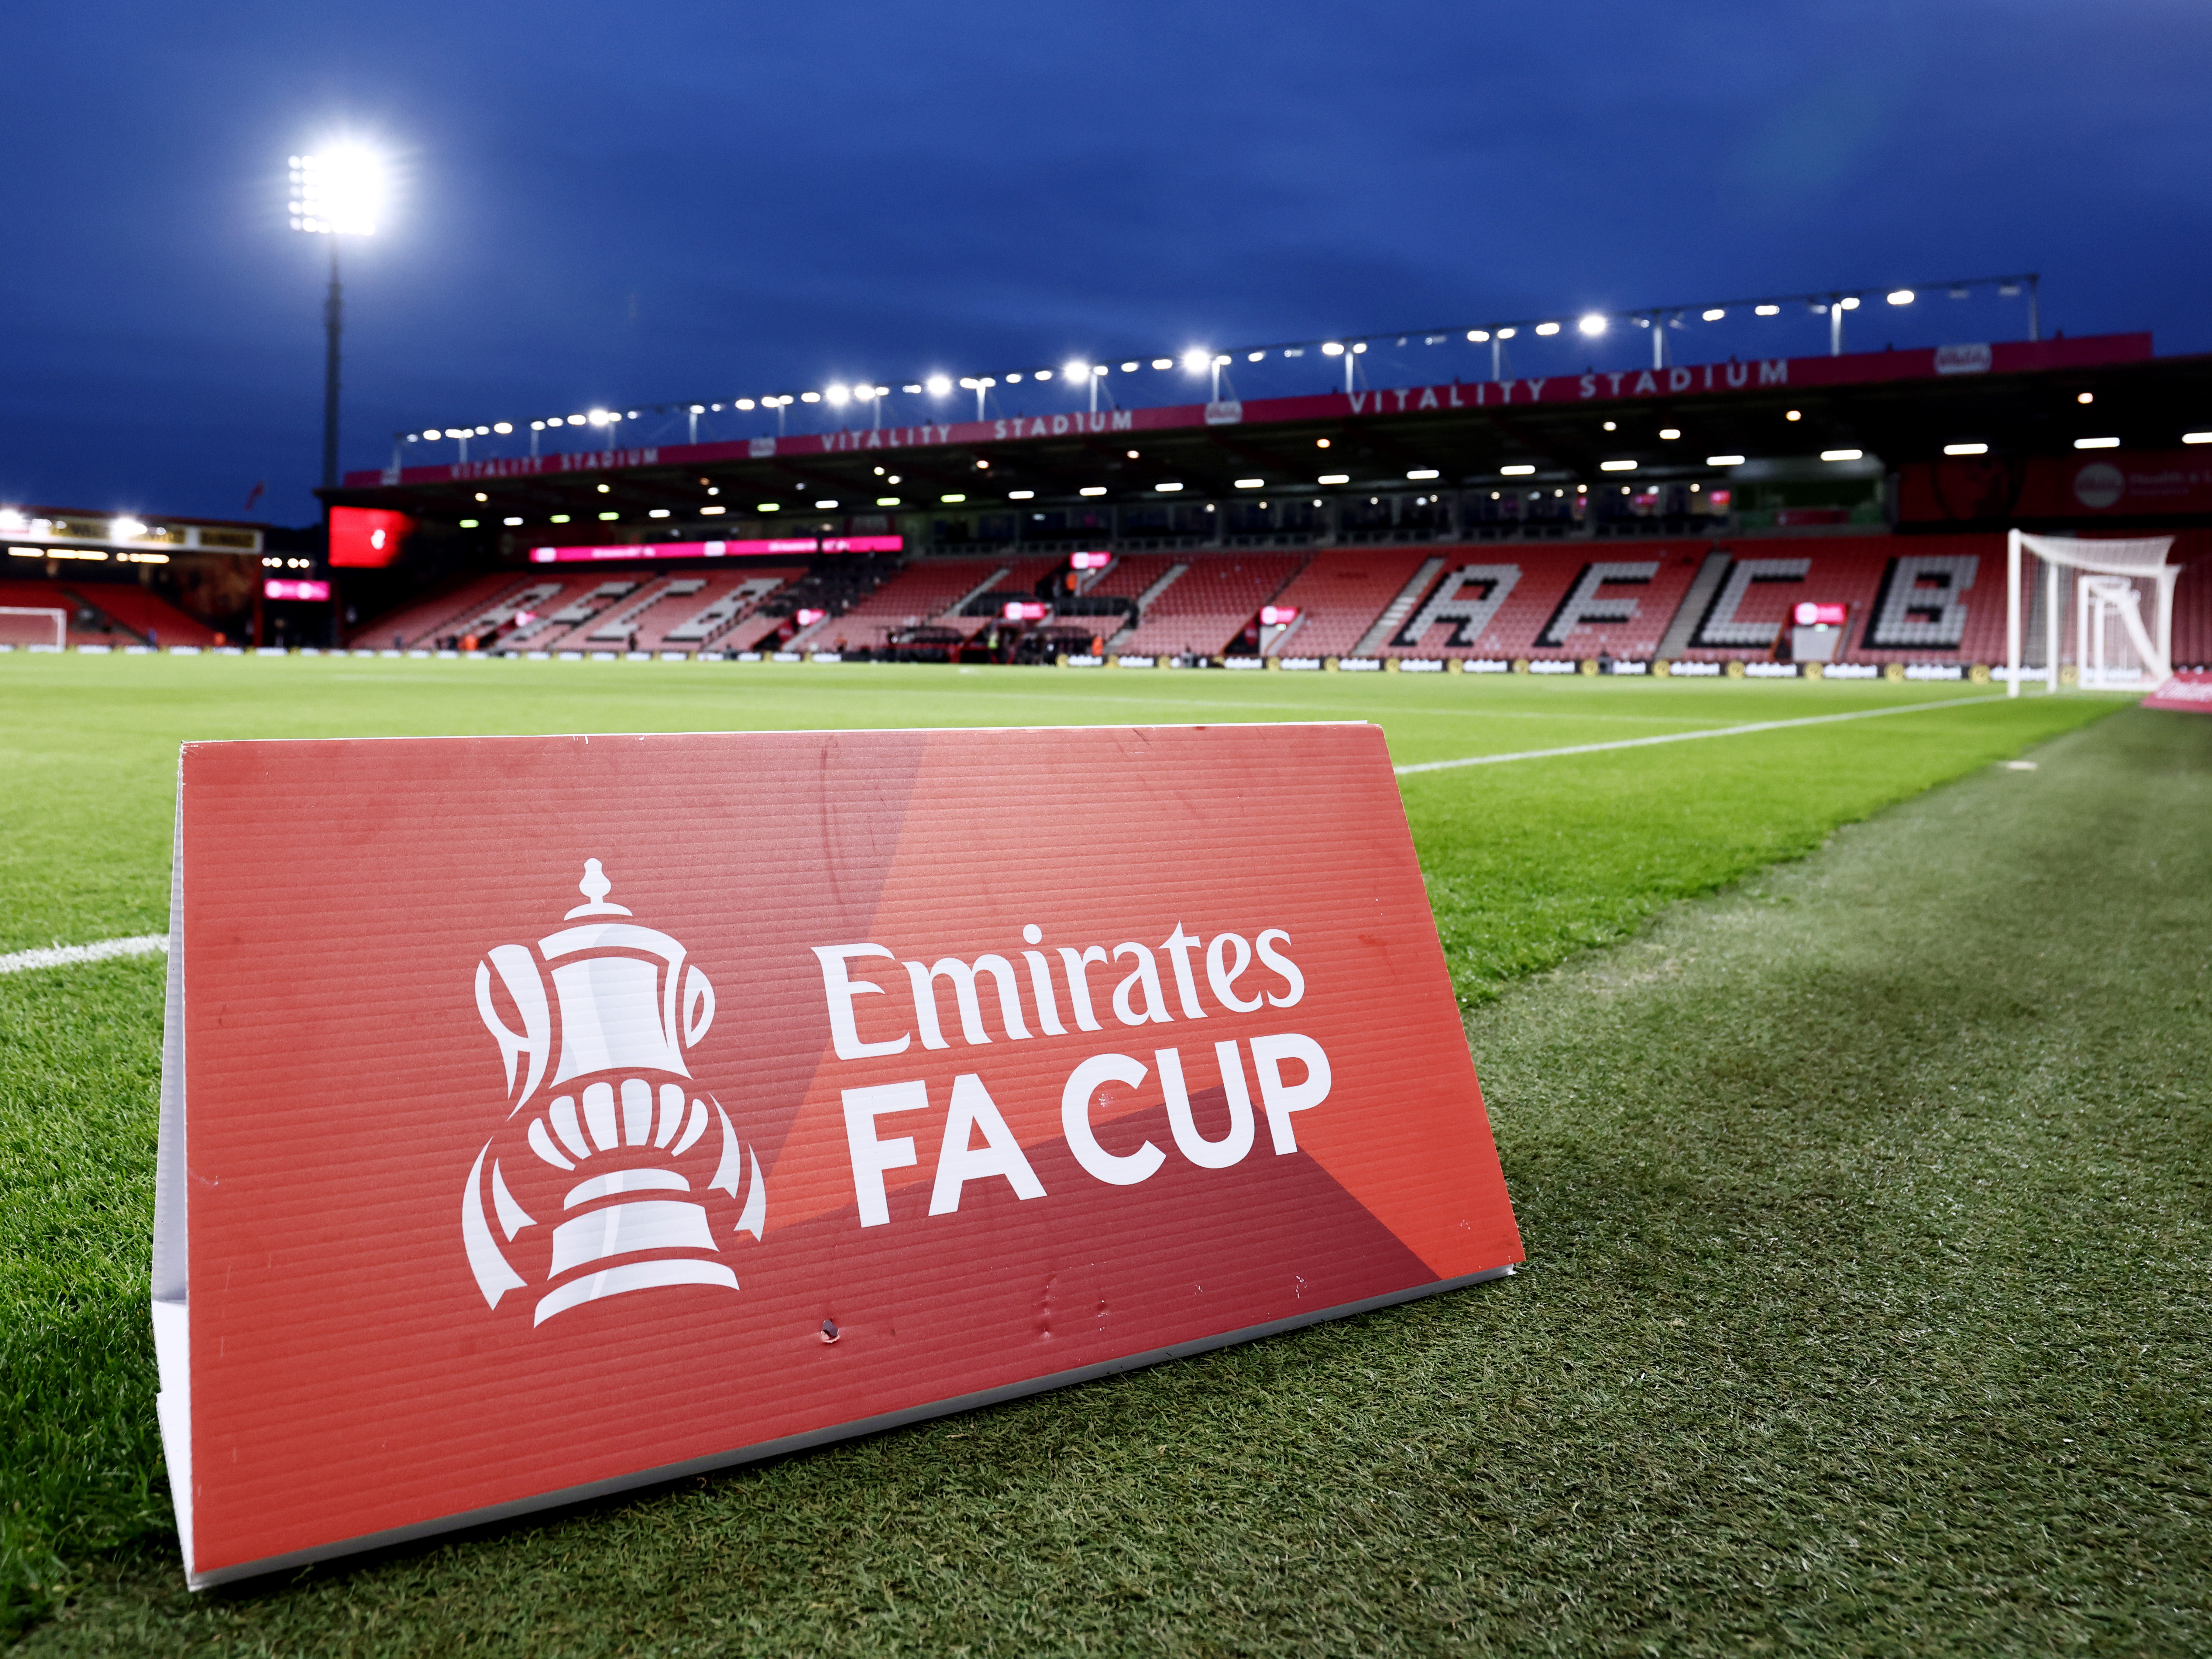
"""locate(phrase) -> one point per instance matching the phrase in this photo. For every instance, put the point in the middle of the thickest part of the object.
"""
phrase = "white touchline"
(1690, 737)
(63, 956)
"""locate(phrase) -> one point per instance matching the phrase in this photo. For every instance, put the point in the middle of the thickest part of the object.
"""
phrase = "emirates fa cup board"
(545, 1116)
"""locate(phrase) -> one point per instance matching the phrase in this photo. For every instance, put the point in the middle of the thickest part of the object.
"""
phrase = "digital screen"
(1273, 616)
(808, 618)
(280, 587)
(1026, 611)
(1810, 615)
(367, 537)
(719, 549)
(1089, 561)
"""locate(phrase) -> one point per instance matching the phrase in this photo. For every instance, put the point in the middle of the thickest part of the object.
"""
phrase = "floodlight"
(1842, 455)
(1077, 369)
(1478, 335)
(1163, 362)
(1255, 356)
(812, 396)
(1713, 314)
(1130, 368)
(502, 427)
(1548, 328)
(1335, 478)
(1670, 432)
(840, 395)
(338, 192)
(937, 385)
(1966, 449)
(124, 528)
(866, 393)
(1196, 362)
(742, 404)
(1616, 466)
(1507, 333)
(577, 420)
(1767, 311)
(1723, 460)
(1519, 469)
(599, 417)
(1900, 296)
(1592, 324)
(1014, 379)
(1333, 347)
(2096, 443)
(1849, 303)
(1425, 472)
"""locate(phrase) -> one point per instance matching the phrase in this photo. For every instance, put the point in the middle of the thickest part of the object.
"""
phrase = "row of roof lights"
(1199, 360)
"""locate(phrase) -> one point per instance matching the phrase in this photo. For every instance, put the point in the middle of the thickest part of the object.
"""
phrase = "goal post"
(2112, 643)
(33, 625)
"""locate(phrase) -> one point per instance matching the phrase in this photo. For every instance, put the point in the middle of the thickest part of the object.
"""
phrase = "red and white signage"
(1278, 616)
(2190, 691)
(717, 549)
(1026, 611)
(281, 587)
(1810, 613)
(545, 1116)
(1089, 561)
(367, 537)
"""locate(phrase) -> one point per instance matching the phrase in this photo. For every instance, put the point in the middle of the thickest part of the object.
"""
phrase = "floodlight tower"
(337, 193)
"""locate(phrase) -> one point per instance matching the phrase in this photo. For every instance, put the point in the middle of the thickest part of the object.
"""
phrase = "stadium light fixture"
(1168, 488)
(1767, 311)
(1592, 324)
(810, 397)
(1547, 329)
(2096, 443)
(1195, 362)
(1966, 449)
(1021, 495)
(1014, 379)
(1331, 347)
(1092, 490)
(1842, 455)
(126, 529)
(1900, 296)
(1849, 303)
(1616, 466)
(1507, 333)
(1255, 357)
(1670, 433)
(1251, 484)
(839, 396)
(1131, 367)
(1163, 362)
(2197, 437)
(1714, 314)
(1723, 460)
(1478, 336)
(1335, 478)
(1519, 469)
(887, 500)
(1421, 472)
(2085, 397)
(938, 384)
(337, 191)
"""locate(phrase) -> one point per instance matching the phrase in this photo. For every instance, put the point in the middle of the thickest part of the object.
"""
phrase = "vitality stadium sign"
(542, 1116)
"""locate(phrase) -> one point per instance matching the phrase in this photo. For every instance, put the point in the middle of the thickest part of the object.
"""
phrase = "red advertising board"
(716, 549)
(545, 1116)
(2190, 691)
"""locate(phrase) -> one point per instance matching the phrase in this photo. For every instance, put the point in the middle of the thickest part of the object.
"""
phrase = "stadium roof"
(1683, 421)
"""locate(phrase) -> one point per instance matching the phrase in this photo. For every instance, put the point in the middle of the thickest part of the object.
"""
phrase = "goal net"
(2103, 608)
(23, 627)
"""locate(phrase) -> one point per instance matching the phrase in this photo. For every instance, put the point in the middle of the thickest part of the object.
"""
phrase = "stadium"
(1796, 748)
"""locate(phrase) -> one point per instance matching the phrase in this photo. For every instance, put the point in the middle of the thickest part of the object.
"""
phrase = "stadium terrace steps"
(447, 610)
(722, 604)
(919, 593)
(1395, 614)
(568, 612)
(619, 623)
(1210, 602)
(1703, 587)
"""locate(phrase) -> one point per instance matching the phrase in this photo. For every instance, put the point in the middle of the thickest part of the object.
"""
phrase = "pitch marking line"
(146, 945)
(64, 956)
(1690, 737)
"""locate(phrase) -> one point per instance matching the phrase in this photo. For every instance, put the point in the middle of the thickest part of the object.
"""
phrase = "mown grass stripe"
(1686, 736)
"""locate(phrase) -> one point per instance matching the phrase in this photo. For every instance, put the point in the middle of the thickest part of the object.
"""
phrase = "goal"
(23, 626)
(2111, 642)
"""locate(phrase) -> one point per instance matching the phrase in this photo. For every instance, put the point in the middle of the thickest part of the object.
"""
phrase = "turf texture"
(1865, 1207)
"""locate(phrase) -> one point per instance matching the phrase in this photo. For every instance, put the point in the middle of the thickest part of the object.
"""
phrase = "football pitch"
(1850, 1085)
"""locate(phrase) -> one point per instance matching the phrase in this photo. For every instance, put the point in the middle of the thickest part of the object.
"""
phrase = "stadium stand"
(920, 593)
(1207, 607)
(147, 614)
(109, 613)
(451, 610)
(699, 623)
(1339, 595)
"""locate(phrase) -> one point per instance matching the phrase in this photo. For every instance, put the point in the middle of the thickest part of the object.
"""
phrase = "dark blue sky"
(609, 204)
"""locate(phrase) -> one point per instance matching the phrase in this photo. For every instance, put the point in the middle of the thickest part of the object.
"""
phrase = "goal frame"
(60, 620)
(2091, 606)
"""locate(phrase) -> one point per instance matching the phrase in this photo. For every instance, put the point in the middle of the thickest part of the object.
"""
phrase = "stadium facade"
(1678, 512)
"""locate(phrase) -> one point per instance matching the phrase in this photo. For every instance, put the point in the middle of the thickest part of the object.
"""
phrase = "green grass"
(1865, 1206)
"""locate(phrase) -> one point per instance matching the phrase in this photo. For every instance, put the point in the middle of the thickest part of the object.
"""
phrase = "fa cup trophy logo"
(649, 1180)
